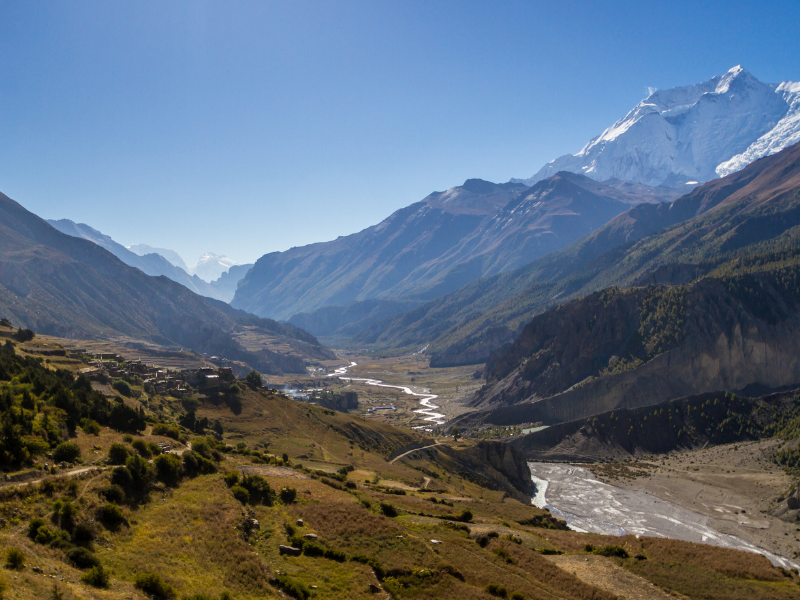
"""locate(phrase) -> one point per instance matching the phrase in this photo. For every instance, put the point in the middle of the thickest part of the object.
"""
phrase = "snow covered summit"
(691, 134)
(210, 267)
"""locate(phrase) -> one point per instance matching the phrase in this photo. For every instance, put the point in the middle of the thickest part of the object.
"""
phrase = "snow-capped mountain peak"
(691, 133)
(210, 266)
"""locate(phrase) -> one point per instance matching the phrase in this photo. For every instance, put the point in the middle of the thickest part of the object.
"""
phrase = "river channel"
(429, 408)
(573, 494)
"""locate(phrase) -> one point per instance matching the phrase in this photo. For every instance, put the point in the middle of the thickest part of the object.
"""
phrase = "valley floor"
(734, 485)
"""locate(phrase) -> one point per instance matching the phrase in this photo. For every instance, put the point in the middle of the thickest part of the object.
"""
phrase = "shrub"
(91, 426)
(169, 431)
(142, 448)
(465, 516)
(231, 478)
(154, 449)
(336, 555)
(503, 553)
(47, 488)
(152, 585)
(33, 526)
(517, 596)
(254, 379)
(44, 535)
(202, 447)
(241, 494)
(118, 454)
(259, 489)
(113, 493)
(194, 464)
(96, 576)
(15, 559)
(287, 495)
(83, 534)
(496, 590)
(289, 586)
(615, 551)
(134, 478)
(66, 452)
(82, 558)
(123, 387)
(168, 469)
(64, 514)
(388, 510)
(111, 516)
(372, 562)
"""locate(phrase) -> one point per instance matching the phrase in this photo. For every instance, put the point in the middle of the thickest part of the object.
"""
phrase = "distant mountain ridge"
(437, 245)
(68, 286)
(691, 133)
(172, 256)
(155, 262)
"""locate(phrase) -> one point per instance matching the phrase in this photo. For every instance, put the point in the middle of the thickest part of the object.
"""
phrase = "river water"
(428, 408)
(588, 505)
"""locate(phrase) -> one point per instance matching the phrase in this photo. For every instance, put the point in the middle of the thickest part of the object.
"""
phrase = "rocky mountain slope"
(70, 287)
(691, 133)
(746, 213)
(684, 423)
(438, 245)
(638, 347)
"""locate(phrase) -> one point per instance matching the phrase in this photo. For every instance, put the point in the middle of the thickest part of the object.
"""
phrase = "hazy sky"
(247, 127)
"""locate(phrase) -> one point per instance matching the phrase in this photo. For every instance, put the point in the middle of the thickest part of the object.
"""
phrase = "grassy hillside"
(122, 520)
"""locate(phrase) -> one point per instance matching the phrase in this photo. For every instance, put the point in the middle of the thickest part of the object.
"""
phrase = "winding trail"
(404, 454)
(429, 409)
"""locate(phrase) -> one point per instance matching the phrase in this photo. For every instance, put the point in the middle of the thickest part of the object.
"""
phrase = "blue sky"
(248, 127)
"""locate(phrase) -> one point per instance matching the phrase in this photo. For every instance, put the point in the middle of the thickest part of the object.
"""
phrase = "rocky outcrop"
(494, 465)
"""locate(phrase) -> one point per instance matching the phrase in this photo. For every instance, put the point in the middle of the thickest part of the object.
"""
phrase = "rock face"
(436, 246)
(643, 346)
(494, 465)
(691, 133)
(691, 422)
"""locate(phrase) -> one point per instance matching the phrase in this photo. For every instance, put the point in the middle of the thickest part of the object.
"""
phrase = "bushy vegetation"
(42, 408)
(97, 577)
(15, 559)
(155, 587)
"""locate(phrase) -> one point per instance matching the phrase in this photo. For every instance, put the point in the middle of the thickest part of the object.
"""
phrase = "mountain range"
(691, 133)
(750, 211)
(67, 286)
(439, 244)
(162, 261)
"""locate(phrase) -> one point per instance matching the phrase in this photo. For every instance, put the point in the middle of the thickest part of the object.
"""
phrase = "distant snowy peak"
(210, 266)
(690, 133)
